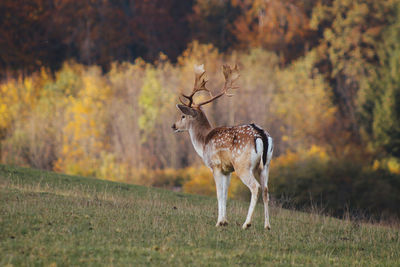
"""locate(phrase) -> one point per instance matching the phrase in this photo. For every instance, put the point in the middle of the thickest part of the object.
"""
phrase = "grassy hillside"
(54, 219)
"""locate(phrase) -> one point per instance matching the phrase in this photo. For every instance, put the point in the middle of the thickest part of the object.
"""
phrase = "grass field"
(59, 220)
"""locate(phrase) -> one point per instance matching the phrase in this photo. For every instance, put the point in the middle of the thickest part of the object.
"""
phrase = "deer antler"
(199, 84)
(231, 75)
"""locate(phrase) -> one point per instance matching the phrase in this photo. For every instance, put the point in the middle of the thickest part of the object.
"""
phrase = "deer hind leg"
(264, 183)
(222, 182)
(265, 195)
(250, 181)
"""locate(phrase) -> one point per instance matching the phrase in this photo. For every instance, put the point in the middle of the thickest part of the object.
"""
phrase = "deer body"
(245, 149)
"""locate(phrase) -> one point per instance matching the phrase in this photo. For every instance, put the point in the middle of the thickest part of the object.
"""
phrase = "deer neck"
(198, 131)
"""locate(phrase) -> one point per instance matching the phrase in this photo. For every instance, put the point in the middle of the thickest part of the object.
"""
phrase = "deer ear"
(187, 110)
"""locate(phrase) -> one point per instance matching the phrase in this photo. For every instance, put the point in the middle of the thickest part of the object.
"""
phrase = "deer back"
(228, 145)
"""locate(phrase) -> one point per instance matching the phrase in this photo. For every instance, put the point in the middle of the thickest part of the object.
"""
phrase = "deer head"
(191, 111)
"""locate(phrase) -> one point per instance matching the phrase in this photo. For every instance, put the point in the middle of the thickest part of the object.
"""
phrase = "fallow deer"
(245, 149)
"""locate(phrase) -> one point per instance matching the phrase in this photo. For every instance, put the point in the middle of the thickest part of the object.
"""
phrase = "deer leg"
(250, 181)
(265, 195)
(221, 183)
(226, 181)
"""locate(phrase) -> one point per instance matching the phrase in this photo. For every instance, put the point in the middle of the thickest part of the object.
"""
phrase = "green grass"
(53, 219)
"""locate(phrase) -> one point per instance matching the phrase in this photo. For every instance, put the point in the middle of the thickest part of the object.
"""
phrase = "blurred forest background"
(89, 88)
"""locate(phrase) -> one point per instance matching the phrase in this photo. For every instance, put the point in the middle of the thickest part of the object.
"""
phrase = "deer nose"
(173, 126)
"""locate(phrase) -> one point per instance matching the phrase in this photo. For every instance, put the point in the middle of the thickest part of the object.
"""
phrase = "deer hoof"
(246, 225)
(221, 223)
(267, 227)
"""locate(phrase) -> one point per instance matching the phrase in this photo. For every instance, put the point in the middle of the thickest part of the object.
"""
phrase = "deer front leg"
(222, 183)
(225, 186)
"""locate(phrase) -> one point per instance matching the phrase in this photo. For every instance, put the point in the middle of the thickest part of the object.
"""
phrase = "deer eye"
(183, 116)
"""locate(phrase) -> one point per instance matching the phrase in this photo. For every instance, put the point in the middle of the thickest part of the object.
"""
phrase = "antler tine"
(199, 81)
(199, 84)
(231, 75)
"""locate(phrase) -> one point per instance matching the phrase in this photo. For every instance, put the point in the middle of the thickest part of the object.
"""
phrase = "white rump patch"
(270, 149)
(259, 146)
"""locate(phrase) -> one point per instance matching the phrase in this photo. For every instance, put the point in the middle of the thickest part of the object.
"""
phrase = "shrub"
(337, 186)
